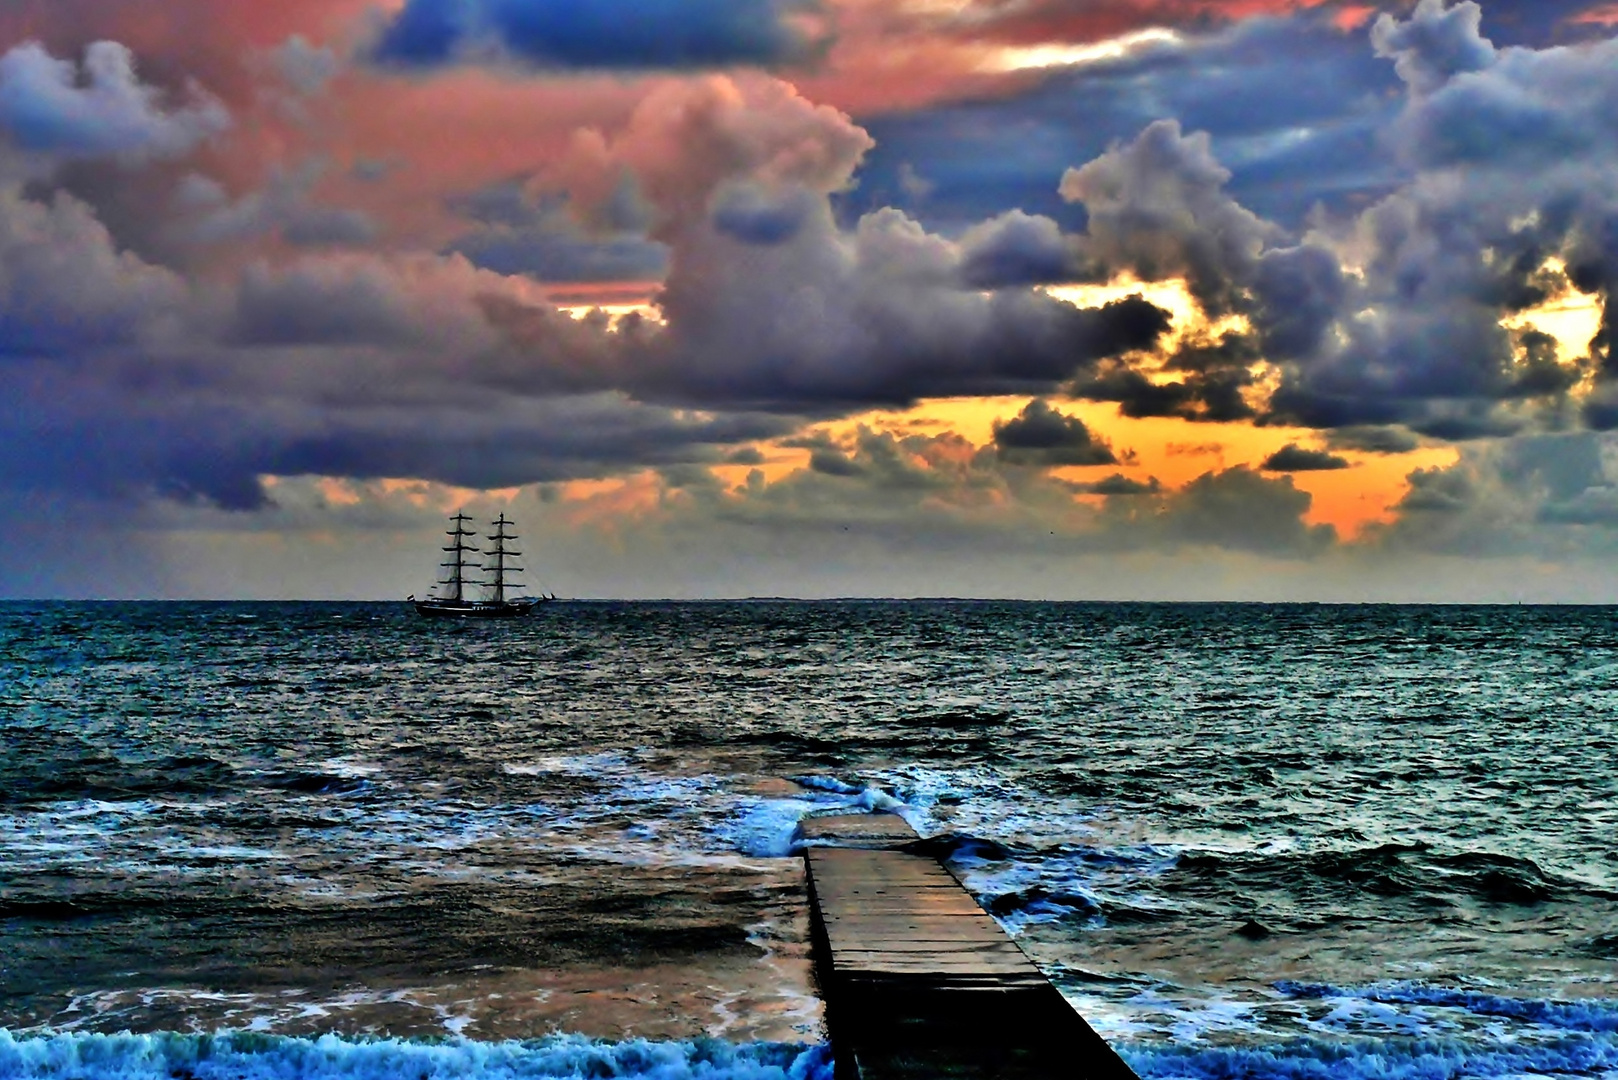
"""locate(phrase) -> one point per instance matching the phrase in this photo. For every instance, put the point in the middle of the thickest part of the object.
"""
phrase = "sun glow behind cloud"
(1033, 57)
(1572, 318)
(1169, 450)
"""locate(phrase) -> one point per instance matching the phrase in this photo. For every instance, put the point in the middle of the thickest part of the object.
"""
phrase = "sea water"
(307, 840)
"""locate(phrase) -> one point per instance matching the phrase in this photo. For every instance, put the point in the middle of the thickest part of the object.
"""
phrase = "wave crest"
(252, 1056)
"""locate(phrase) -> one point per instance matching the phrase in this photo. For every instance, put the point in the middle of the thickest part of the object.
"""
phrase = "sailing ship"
(495, 604)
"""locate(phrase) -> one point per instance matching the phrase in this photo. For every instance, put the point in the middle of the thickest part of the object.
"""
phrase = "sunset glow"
(1220, 283)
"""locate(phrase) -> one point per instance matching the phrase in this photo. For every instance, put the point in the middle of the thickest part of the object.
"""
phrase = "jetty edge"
(918, 980)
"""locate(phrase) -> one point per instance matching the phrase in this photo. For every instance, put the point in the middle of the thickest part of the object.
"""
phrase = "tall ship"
(495, 602)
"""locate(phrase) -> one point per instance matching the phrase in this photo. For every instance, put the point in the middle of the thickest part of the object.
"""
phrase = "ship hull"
(475, 609)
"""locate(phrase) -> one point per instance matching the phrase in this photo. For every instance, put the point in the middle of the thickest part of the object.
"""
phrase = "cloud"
(347, 364)
(772, 303)
(1121, 485)
(284, 206)
(1547, 496)
(1372, 440)
(1041, 435)
(542, 238)
(1157, 208)
(1392, 315)
(307, 68)
(1510, 150)
(126, 382)
(1294, 106)
(753, 215)
(100, 109)
(1016, 249)
(1215, 396)
(301, 321)
(1435, 44)
(67, 292)
(921, 495)
(1237, 509)
(606, 34)
(1294, 458)
(830, 461)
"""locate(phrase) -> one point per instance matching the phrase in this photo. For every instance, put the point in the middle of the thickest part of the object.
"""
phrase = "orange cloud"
(1600, 15)
(1177, 451)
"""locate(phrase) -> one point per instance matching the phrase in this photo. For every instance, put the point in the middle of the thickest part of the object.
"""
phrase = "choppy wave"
(1590, 1015)
(1201, 799)
(1382, 1059)
(1389, 870)
(252, 1056)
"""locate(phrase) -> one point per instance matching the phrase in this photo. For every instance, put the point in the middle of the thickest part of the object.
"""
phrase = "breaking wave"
(1590, 1016)
(1424, 1059)
(252, 1056)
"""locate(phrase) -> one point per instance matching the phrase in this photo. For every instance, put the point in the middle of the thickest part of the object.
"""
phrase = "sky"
(1048, 299)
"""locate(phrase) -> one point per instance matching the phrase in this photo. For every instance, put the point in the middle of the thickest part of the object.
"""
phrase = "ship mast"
(500, 568)
(458, 549)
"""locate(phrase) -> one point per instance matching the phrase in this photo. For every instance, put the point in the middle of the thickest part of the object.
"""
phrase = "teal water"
(1246, 840)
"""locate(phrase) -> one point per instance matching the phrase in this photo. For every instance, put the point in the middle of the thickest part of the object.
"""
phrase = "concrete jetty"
(919, 981)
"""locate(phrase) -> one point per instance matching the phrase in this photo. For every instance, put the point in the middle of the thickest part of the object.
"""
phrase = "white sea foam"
(1424, 1059)
(245, 1055)
(1340, 1022)
(252, 1056)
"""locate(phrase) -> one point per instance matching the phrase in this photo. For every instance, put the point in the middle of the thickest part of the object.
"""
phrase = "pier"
(918, 980)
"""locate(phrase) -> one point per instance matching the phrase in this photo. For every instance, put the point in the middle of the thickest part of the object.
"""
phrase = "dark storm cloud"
(66, 293)
(1241, 510)
(1136, 394)
(609, 34)
(1294, 458)
(321, 305)
(122, 380)
(542, 239)
(1230, 351)
(1506, 158)
(1438, 491)
(1459, 424)
(1513, 152)
(772, 304)
(1017, 249)
(1373, 440)
(830, 461)
(1213, 390)
(827, 321)
(329, 226)
(129, 382)
(1215, 396)
(201, 214)
(1157, 207)
(779, 310)
(521, 443)
(209, 445)
(1121, 485)
(1041, 435)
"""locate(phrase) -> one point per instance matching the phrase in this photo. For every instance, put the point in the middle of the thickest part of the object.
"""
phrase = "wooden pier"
(918, 980)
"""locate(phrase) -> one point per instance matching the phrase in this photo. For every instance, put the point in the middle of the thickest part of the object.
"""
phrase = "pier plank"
(919, 980)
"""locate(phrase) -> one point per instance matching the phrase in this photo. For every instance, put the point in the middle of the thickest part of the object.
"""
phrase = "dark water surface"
(1245, 840)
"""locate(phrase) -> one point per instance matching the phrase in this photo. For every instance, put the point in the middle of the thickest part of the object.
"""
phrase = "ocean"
(309, 840)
